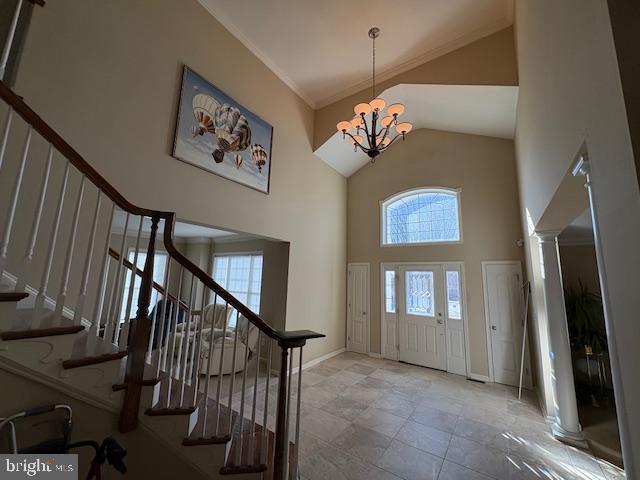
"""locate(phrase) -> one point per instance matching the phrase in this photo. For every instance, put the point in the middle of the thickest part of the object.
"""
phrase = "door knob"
(440, 321)
(494, 328)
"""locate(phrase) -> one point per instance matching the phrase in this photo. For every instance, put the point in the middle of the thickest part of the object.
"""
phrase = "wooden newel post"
(138, 341)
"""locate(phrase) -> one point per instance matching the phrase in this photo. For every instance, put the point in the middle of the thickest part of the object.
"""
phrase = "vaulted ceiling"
(321, 48)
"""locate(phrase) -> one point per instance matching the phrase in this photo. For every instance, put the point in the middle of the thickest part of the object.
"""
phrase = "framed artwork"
(217, 134)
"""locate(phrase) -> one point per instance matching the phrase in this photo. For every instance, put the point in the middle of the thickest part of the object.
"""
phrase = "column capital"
(547, 236)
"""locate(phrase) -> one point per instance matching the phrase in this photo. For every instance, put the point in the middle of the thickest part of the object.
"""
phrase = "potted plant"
(585, 319)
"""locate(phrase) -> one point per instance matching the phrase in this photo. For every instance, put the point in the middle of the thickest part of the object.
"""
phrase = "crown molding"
(237, 33)
(419, 60)
(432, 54)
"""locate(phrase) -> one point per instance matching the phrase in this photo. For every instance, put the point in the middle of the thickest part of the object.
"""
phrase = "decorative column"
(567, 425)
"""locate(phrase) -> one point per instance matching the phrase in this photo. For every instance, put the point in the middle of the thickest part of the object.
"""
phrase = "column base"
(575, 439)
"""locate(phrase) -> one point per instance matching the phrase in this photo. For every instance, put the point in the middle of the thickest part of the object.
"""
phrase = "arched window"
(424, 215)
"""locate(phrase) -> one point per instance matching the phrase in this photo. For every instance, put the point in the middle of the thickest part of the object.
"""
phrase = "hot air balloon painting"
(259, 156)
(217, 134)
(204, 110)
(232, 130)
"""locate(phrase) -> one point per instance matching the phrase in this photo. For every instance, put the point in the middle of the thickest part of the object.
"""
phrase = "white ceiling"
(321, 48)
(478, 110)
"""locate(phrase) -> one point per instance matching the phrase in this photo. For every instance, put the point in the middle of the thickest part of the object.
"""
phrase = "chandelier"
(370, 129)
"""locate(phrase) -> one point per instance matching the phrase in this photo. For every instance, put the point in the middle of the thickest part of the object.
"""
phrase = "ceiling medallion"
(370, 129)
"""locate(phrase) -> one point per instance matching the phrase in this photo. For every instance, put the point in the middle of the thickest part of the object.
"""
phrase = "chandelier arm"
(391, 142)
(356, 142)
(366, 129)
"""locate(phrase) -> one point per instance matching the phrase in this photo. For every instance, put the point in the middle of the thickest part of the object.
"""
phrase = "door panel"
(505, 315)
(456, 346)
(358, 305)
(421, 328)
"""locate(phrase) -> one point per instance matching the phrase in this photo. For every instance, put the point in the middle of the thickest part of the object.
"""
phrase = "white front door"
(421, 321)
(358, 308)
(504, 310)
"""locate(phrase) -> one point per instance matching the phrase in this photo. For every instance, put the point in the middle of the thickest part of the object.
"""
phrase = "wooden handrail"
(285, 339)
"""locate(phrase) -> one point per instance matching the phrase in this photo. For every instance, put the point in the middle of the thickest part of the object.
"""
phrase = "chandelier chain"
(374, 68)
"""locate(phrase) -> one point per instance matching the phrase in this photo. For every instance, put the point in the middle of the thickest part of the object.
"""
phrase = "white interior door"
(358, 308)
(504, 310)
(421, 321)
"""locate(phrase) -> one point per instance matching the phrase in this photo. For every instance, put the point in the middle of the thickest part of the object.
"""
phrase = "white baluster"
(155, 326)
(102, 282)
(13, 204)
(243, 392)
(265, 420)
(174, 322)
(196, 359)
(255, 386)
(153, 319)
(44, 283)
(5, 135)
(288, 422)
(164, 328)
(64, 284)
(113, 315)
(296, 447)
(186, 341)
(209, 361)
(28, 256)
(220, 366)
(77, 315)
(233, 372)
(9, 41)
(122, 333)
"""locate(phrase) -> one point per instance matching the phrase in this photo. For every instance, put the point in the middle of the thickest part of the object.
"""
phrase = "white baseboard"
(321, 359)
(480, 378)
(375, 355)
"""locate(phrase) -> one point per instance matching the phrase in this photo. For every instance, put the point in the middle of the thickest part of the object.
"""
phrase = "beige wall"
(484, 168)
(275, 272)
(106, 75)
(488, 61)
(147, 456)
(571, 98)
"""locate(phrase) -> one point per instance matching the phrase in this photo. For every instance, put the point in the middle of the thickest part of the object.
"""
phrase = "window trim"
(412, 191)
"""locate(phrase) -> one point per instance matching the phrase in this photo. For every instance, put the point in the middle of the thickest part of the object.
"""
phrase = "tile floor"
(372, 419)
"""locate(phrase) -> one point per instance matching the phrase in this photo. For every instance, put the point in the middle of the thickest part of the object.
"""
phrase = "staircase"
(64, 313)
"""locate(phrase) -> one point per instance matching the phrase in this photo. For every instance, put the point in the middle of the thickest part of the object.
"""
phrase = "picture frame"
(217, 134)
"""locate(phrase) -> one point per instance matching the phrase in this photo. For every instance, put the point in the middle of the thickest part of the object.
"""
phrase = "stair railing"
(183, 345)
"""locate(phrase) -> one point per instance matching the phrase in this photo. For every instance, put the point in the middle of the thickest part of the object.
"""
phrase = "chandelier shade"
(370, 129)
